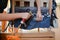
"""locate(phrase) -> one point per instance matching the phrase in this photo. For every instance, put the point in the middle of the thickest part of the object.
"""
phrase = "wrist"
(4, 12)
(38, 10)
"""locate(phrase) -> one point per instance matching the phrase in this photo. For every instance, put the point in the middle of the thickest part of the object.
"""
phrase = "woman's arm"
(39, 16)
(50, 6)
(38, 5)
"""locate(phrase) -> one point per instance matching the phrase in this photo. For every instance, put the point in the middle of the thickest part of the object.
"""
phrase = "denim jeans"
(45, 23)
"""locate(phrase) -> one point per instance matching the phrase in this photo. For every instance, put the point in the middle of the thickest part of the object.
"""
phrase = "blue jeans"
(45, 23)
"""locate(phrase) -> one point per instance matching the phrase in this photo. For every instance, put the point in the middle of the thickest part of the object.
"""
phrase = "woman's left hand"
(38, 16)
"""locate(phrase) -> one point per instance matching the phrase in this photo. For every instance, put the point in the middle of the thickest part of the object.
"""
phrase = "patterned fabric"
(53, 15)
(45, 23)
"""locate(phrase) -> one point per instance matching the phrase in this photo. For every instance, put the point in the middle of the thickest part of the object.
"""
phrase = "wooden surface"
(37, 38)
(41, 35)
(32, 36)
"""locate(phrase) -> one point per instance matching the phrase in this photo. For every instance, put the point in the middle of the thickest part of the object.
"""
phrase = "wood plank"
(43, 34)
(37, 38)
(33, 35)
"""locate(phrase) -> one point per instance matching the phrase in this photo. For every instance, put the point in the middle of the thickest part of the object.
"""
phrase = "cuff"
(7, 9)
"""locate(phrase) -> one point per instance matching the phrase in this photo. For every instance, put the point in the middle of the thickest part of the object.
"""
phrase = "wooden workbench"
(32, 36)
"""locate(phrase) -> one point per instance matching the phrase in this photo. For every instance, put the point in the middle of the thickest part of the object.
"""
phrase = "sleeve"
(7, 9)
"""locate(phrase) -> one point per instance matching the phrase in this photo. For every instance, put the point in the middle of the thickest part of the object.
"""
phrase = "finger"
(39, 17)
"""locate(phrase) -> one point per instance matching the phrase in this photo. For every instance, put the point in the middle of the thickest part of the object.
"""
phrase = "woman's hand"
(38, 16)
(4, 12)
